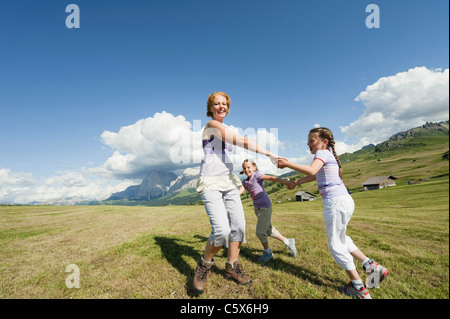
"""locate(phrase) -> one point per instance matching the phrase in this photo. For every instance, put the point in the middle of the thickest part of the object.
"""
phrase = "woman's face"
(219, 108)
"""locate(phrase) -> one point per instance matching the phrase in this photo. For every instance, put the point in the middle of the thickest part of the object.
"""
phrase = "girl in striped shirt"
(338, 209)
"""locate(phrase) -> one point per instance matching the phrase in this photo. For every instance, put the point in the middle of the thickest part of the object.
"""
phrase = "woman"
(218, 188)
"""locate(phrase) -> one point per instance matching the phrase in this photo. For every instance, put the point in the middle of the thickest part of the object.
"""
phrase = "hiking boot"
(375, 274)
(291, 247)
(351, 291)
(201, 275)
(234, 271)
(266, 256)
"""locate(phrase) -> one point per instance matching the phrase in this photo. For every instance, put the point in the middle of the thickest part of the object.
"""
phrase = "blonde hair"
(248, 161)
(325, 133)
(210, 102)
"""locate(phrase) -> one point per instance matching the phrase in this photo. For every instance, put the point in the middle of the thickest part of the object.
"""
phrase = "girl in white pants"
(338, 209)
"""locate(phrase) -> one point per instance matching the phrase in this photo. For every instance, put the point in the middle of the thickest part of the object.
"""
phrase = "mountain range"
(158, 184)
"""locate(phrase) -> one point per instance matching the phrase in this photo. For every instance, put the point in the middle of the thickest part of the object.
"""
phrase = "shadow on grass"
(174, 248)
(293, 268)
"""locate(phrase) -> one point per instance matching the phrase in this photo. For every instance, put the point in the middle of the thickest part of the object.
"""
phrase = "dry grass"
(151, 252)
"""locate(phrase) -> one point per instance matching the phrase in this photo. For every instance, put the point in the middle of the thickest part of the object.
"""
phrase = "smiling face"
(218, 105)
(315, 143)
(219, 108)
(248, 168)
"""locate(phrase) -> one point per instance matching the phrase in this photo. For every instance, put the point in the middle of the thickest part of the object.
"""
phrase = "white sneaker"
(351, 291)
(291, 247)
(375, 274)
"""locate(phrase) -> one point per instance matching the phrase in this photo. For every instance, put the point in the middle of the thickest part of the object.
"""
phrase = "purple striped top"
(328, 180)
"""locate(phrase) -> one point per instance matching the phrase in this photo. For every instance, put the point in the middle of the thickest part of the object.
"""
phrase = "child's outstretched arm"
(311, 169)
(274, 179)
(241, 190)
(303, 180)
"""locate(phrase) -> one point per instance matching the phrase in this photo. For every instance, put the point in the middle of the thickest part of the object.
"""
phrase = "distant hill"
(414, 138)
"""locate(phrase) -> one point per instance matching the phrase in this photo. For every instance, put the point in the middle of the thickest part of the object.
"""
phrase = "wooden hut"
(302, 196)
(379, 182)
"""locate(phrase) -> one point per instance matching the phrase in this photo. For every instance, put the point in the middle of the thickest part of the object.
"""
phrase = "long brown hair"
(325, 133)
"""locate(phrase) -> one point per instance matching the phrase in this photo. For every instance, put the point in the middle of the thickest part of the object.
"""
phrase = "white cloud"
(144, 145)
(67, 179)
(400, 102)
(8, 177)
(169, 142)
(65, 188)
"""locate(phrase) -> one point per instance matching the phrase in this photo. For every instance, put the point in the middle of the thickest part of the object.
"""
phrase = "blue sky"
(286, 65)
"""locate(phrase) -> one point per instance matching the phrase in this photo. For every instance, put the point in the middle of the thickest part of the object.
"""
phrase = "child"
(263, 208)
(338, 209)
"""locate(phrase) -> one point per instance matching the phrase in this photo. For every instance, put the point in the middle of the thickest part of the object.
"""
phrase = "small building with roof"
(302, 196)
(379, 182)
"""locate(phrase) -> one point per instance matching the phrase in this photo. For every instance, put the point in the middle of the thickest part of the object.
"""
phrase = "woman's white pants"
(226, 215)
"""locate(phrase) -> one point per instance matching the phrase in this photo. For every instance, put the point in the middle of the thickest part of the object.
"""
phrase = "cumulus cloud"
(168, 142)
(144, 145)
(65, 188)
(8, 177)
(400, 102)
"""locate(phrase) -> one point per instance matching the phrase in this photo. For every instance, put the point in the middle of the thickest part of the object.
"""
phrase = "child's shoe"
(351, 291)
(266, 256)
(375, 274)
(291, 247)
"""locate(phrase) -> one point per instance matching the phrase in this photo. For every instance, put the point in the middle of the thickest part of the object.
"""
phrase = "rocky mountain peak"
(158, 184)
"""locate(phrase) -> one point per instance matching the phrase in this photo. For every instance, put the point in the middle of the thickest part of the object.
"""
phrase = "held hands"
(275, 159)
(282, 162)
(292, 185)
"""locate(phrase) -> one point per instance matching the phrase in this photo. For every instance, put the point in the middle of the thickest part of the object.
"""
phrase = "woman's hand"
(275, 159)
(282, 162)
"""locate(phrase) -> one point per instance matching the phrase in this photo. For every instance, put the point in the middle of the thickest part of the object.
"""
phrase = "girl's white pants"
(336, 214)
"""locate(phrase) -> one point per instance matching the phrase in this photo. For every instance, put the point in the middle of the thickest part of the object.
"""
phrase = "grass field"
(151, 252)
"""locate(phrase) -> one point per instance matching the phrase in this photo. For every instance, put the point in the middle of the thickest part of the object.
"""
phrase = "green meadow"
(151, 252)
